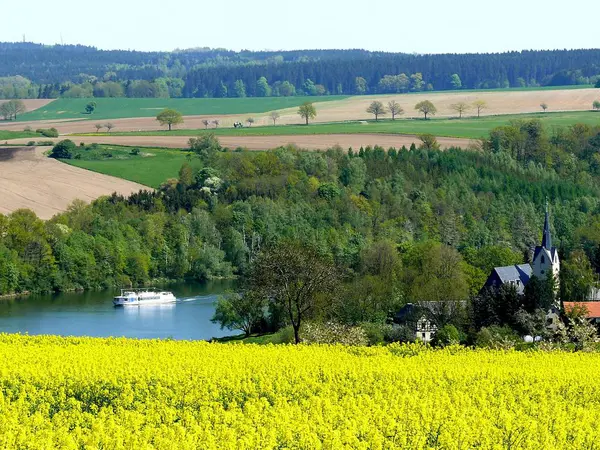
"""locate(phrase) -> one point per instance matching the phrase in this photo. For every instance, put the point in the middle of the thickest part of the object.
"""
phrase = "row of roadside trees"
(425, 107)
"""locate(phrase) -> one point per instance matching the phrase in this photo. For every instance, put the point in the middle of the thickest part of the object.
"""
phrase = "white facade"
(425, 330)
(545, 262)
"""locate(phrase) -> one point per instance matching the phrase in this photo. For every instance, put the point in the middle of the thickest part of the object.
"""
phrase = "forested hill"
(33, 70)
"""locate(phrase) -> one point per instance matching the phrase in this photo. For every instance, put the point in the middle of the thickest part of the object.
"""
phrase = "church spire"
(547, 238)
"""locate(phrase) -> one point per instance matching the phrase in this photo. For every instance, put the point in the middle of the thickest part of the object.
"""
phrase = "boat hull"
(136, 301)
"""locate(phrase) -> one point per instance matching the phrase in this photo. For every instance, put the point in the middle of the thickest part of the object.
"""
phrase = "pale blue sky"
(435, 26)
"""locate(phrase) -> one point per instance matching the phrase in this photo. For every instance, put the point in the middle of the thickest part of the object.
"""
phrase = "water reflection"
(93, 314)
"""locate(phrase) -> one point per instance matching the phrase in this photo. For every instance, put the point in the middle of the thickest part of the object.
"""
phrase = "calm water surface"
(93, 314)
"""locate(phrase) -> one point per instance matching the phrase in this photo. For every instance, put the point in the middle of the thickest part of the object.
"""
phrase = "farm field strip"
(122, 394)
(471, 128)
(117, 108)
(28, 179)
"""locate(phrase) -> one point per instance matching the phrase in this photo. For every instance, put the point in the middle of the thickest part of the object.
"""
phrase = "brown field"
(309, 142)
(30, 180)
(354, 108)
(33, 103)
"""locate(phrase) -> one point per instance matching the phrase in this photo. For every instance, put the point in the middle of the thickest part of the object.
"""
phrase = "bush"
(63, 150)
(45, 143)
(333, 333)
(448, 335)
(496, 337)
(135, 151)
(51, 132)
(30, 143)
(376, 332)
(27, 129)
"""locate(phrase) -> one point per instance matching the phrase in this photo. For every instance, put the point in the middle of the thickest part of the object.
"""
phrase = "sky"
(434, 26)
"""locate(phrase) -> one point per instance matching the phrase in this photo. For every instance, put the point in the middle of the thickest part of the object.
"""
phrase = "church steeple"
(547, 238)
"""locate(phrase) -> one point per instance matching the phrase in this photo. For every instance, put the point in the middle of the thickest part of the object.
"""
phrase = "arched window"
(543, 260)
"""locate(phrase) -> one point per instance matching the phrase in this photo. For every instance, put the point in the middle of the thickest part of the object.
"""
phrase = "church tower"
(545, 257)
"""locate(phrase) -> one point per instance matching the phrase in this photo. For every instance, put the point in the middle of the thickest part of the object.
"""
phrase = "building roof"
(538, 249)
(547, 238)
(593, 308)
(520, 272)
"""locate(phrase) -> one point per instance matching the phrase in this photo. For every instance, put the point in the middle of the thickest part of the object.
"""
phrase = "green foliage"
(448, 335)
(48, 132)
(577, 277)
(495, 337)
(63, 149)
(377, 109)
(205, 146)
(426, 107)
(307, 111)
(239, 312)
(455, 81)
(169, 117)
(90, 107)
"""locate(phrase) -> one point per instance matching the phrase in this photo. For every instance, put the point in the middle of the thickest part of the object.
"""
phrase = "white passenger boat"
(147, 296)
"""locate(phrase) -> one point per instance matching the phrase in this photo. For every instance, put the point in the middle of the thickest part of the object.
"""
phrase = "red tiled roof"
(593, 308)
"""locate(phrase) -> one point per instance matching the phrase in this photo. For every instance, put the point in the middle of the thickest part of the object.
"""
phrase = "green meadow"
(7, 135)
(147, 166)
(471, 127)
(120, 108)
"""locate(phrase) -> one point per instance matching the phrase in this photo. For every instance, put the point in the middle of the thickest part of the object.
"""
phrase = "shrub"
(63, 150)
(496, 337)
(30, 143)
(51, 132)
(135, 151)
(333, 333)
(45, 143)
(376, 332)
(448, 335)
(27, 129)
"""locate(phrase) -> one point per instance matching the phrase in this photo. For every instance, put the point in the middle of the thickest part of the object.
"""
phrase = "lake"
(93, 314)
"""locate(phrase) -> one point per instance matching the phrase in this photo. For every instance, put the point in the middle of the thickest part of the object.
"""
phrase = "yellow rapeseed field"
(86, 393)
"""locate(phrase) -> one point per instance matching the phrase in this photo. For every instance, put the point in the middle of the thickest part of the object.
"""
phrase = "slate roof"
(517, 272)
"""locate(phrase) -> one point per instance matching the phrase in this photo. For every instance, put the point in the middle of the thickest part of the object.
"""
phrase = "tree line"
(35, 71)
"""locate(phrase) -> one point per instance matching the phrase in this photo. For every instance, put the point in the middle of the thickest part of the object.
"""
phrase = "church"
(545, 261)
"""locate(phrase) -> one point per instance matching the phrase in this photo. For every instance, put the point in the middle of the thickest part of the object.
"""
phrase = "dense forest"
(37, 71)
(401, 224)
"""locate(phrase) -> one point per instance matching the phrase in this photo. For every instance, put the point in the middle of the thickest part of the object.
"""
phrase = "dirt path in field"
(309, 142)
(28, 179)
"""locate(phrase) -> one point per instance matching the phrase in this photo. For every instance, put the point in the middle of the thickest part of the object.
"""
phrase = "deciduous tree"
(426, 107)
(455, 81)
(479, 105)
(239, 311)
(460, 108)
(544, 106)
(307, 111)
(274, 116)
(292, 276)
(596, 105)
(109, 126)
(170, 117)
(377, 109)
(395, 109)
